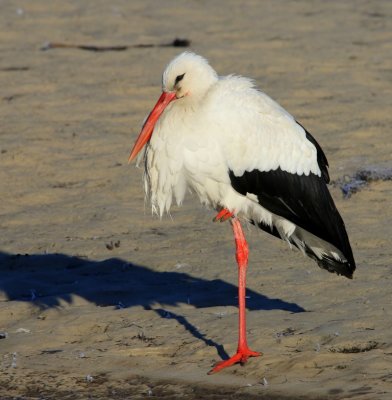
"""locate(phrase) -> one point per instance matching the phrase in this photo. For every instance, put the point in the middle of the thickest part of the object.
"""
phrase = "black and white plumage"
(239, 150)
(247, 157)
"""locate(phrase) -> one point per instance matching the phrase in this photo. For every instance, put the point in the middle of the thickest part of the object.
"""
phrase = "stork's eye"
(179, 78)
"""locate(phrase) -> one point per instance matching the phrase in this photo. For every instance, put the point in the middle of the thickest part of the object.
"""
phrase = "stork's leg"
(243, 351)
(223, 215)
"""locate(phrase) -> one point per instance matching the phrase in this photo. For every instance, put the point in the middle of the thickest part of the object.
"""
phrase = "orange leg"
(223, 215)
(243, 351)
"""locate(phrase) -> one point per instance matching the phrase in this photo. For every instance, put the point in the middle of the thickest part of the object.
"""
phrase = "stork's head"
(186, 80)
(188, 75)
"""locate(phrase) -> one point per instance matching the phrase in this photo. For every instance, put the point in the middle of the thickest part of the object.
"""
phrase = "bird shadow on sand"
(46, 280)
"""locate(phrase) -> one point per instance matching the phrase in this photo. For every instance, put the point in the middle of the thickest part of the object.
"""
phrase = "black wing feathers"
(301, 199)
(298, 198)
(321, 158)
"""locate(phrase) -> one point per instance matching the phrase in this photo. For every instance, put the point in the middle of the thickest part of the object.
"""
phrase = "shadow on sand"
(48, 279)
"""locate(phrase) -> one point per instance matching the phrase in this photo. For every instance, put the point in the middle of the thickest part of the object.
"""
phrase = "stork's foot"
(223, 215)
(241, 357)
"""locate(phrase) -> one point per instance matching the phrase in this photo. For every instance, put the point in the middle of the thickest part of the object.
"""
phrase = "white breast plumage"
(163, 161)
(198, 149)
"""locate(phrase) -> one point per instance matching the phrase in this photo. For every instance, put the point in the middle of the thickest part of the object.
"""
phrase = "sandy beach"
(100, 300)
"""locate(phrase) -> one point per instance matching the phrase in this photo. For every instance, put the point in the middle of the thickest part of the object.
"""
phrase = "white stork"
(247, 158)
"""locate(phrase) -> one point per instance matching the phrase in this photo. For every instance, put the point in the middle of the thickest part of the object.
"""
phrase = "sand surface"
(100, 300)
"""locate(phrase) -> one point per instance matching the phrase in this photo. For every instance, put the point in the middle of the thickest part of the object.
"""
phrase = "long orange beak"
(148, 127)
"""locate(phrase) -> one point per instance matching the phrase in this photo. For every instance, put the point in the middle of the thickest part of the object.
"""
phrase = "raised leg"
(223, 215)
(243, 351)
